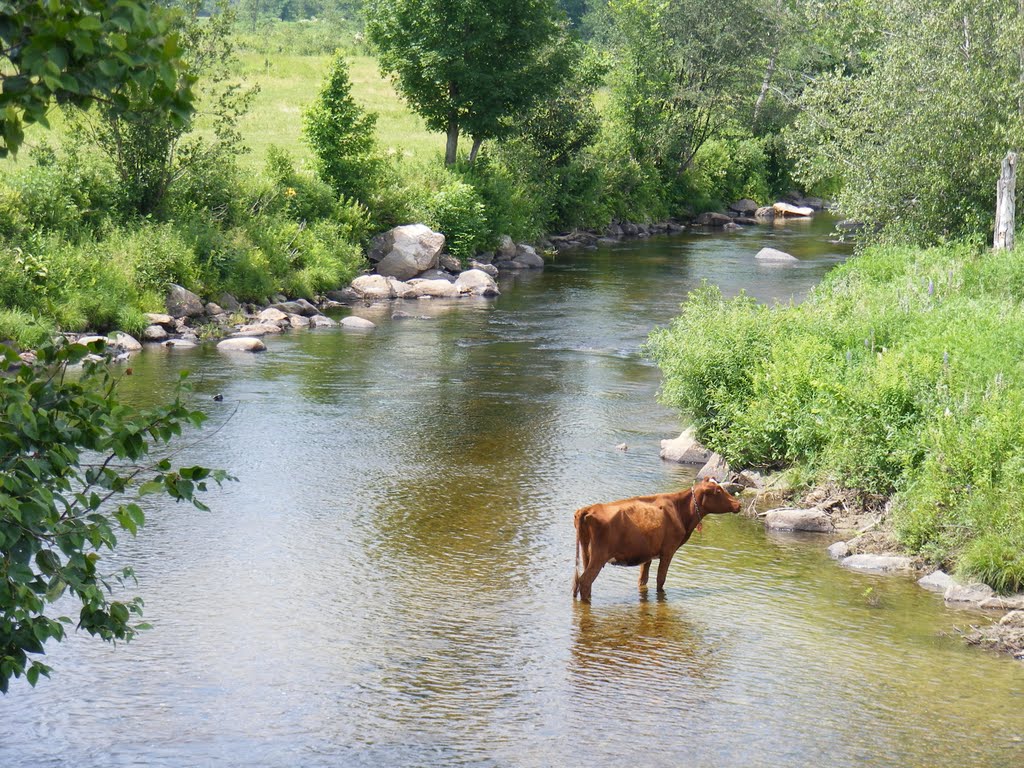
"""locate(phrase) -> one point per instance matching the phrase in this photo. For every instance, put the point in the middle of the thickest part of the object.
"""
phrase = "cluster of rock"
(868, 551)
(590, 239)
(748, 212)
(410, 262)
(238, 327)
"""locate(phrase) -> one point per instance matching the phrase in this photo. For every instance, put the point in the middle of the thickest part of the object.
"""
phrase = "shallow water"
(388, 583)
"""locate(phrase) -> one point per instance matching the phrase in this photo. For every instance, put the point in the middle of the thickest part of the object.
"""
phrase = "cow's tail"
(582, 540)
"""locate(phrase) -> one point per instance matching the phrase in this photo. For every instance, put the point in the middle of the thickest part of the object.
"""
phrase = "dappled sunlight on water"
(389, 582)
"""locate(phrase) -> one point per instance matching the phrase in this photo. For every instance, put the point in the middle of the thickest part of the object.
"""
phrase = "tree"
(683, 67)
(73, 462)
(341, 135)
(150, 152)
(914, 138)
(80, 51)
(469, 65)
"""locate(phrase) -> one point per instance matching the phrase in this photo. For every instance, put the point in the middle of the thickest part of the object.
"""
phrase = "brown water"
(389, 583)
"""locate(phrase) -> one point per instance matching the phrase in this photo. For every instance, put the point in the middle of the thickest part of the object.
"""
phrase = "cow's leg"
(645, 572)
(663, 564)
(588, 576)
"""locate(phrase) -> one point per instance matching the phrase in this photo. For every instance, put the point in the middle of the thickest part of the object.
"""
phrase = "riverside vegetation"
(899, 375)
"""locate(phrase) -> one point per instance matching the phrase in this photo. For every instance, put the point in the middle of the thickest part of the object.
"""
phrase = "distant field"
(287, 84)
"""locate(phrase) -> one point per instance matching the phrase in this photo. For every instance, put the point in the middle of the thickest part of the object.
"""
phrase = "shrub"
(872, 383)
(342, 136)
(26, 330)
(458, 212)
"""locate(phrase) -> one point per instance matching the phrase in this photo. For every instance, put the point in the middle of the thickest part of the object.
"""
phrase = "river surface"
(388, 584)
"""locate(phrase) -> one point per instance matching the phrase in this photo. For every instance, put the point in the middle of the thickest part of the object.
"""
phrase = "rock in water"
(242, 344)
(771, 254)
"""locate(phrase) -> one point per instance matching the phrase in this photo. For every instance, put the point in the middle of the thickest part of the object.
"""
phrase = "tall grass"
(902, 375)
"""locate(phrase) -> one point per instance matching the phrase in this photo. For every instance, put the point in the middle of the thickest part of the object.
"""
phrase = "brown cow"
(635, 531)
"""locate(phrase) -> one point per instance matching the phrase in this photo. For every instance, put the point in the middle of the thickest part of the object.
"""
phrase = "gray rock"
(685, 449)
(937, 581)
(476, 283)
(506, 249)
(212, 309)
(242, 344)
(432, 289)
(449, 263)
(787, 209)
(181, 302)
(877, 563)
(717, 468)
(180, 344)
(229, 302)
(343, 296)
(399, 289)
(751, 479)
(154, 333)
(484, 266)
(849, 225)
(745, 207)
(155, 318)
(792, 519)
(622, 447)
(436, 274)
(1004, 602)
(257, 329)
(373, 287)
(321, 321)
(271, 315)
(380, 246)
(765, 213)
(712, 219)
(967, 593)
(298, 321)
(123, 341)
(772, 254)
(414, 249)
(354, 323)
(297, 307)
(839, 550)
(526, 254)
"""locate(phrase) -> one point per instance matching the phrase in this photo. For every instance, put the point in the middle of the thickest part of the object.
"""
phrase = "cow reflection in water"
(636, 531)
(653, 644)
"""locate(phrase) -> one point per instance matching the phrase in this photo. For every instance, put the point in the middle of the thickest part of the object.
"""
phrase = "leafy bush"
(458, 212)
(342, 136)
(24, 329)
(873, 384)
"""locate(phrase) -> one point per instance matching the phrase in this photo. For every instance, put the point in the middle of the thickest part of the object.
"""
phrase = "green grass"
(902, 376)
(288, 83)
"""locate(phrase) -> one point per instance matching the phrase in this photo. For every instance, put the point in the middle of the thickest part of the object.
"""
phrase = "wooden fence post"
(1006, 204)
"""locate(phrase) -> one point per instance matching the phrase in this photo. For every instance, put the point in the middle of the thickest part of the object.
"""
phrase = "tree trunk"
(476, 148)
(1006, 204)
(452, 147)
(765, 84)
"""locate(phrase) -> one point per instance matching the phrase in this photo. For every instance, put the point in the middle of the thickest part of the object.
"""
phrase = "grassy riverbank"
(901, 376)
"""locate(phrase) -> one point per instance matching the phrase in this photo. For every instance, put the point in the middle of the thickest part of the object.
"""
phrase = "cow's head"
(713, 499)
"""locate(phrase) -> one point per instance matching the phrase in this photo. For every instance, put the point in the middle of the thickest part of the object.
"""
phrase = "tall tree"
(914, 137)
(80, 51)
(683, 65)
(469, 65)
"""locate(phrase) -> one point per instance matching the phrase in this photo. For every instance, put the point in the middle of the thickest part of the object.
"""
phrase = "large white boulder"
(354, 323)
(432, 289)
(373, 287)
(414, 249)
(685, 449)
(476, 282)
(786, 209)
(775, 255)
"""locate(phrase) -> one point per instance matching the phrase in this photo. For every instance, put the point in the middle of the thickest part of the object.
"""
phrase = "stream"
(388, 584)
